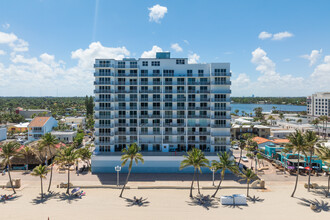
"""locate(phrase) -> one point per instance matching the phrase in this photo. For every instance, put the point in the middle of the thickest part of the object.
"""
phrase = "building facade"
(163, 104)
(39, 126)
(65, 136)
(3, 133)
(318, 104)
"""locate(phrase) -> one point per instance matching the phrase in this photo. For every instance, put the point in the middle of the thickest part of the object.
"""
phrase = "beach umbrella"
(308, 168)
(75, 190)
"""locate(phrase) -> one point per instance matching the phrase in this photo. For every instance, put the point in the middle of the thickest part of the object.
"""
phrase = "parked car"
(235, 147)
(244, 159)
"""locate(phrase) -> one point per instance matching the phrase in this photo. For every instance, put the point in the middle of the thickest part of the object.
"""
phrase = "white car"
(235, 147)
(244, 159)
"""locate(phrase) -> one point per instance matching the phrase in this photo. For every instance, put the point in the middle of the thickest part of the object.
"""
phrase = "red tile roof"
(38, 121)
(260, 140)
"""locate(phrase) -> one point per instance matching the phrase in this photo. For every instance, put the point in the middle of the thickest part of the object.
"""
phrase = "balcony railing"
(221, 108)
(103, 108)
(104, 100)
(103, 74)
(220, 117)
(104, 117)
(221, 74)
(98, 65)
(221, 83)
(104, 91)
(104, 83)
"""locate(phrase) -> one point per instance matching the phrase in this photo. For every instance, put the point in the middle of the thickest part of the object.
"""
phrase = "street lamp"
(46, 162)
(118, 169)
(212, 169)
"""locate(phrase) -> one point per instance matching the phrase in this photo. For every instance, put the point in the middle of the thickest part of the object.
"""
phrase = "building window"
(155, 63)
(180, 61)
(144, 63)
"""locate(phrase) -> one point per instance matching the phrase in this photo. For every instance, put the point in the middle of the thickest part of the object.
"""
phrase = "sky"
(275, 47)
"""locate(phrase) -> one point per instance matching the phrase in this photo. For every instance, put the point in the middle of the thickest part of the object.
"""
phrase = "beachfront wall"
(152, 164)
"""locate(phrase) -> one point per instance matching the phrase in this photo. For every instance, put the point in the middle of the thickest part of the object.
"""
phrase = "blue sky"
(47, 47)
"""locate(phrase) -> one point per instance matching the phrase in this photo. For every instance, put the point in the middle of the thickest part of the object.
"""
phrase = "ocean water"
(248, 108)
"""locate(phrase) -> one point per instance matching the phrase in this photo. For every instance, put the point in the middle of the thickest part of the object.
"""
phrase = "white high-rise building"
(165, 105)
(318, 104)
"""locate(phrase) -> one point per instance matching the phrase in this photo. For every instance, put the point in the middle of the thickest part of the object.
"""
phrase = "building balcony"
(126, 108)
(198, 91)
(181, 91)
(108, 65)
(220, 126)
(150, 125)
(103, 125)
(198, 116)
(122, 66)
(221, 74)
(126, 74)
(150, 141)
(198, 141)
(221, 108)
(220, 100)
(198, 133)
(103, 74)
(181, 99)
(126, 132)
(220, 117)
(126, 91)
(104, 133)
(127, 83)
(96, 91)
(126, 116)
(221, 83)
(104, 83)
(104, 108)
(219, 143)
(104, 117)
(104, 100)
(150, 91)
(173, 141)
(198, 125)
(150, 116)
(198, 83)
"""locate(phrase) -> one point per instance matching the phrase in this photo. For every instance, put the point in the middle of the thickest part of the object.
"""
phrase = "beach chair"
(227, 200)
(239, 199)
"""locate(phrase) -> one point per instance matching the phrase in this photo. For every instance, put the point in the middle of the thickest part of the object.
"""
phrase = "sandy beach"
(273, 203)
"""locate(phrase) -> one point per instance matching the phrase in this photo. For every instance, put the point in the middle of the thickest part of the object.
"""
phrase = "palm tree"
(49, 141)
(8, 151)
(27, 153)
(85, 154)
(195, 158)
(40, 152)
(236, 111)
(40, 171)
(324, 120)
(310, 139)
(299, 121)
(131, 153)
(316, 122)
(323, 153)
(297, 144)
(271, 118)
(281, 116)
(226, 162)
(67, 157)
(248, 175)
(241, 145)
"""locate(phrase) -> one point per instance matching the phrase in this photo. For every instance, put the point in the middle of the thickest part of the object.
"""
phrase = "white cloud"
(45, 75)
(264, 35)
(193, 58)
(186, 42)
(176, 47)
(6, 38)
(6, 26)
(287, 60)
(278, 36)
(151, 53)
(282, 35)
(156, 13)
(2, 52)
(321, 75)
(313, 57)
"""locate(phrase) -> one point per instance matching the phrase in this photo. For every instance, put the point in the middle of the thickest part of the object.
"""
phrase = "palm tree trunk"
(295, 186)
(240, 157)
(11, 182)
(51, 176)
(248, 187)
(192, 183)
(129, 172)
(216, 191)
(68, 187)
(198, 182)
(327, 194)
(42, 193)
(309, 171)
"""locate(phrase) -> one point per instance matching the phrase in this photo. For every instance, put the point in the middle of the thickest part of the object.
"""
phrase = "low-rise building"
(260, 130)
(79, 121)
(65, 136)
(19, 128)
(3, 133)
(29, 113)
(39, 126)
(281, 133)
